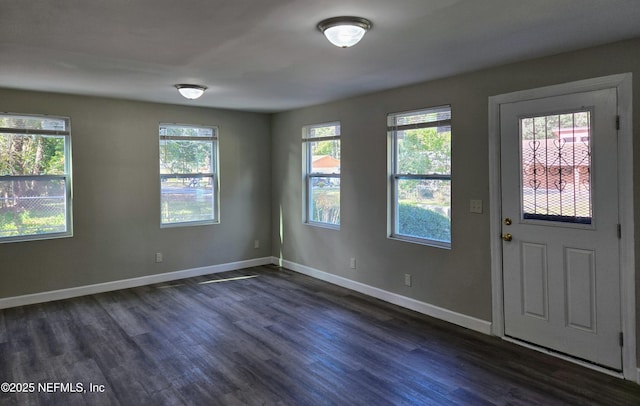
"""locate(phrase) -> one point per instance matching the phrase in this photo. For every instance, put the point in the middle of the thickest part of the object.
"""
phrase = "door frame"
(623, 84)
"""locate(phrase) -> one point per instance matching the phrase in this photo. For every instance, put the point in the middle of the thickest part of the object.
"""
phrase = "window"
(35, 178)
(188, 175)
(420, 176)
(321, 152)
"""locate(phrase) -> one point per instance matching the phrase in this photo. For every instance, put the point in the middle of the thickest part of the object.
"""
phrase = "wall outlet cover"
(407, 279)
(475, 206)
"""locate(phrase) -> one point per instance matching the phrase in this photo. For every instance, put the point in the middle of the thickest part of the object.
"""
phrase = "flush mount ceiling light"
(344, 32)
(191, 91)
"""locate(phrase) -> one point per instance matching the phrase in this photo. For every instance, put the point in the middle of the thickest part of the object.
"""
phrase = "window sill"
(421, 241)
(323, 225)
(35, 237)
(189, 224)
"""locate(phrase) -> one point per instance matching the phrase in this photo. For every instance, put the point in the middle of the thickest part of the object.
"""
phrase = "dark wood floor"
(277, 339)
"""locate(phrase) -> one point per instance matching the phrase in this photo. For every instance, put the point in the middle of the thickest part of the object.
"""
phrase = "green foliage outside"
(325, 192)
(424, 151)
(419, 222)
(325, 204)
(424, 204)
(181, 209)
(187, 199)
(180, 156)
(31, 155)
(331, 148)
(16, 223)
(184, 157)
(31, 206)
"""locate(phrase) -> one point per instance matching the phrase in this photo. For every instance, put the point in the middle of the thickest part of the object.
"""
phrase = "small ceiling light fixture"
(344, 32)
(191, 91)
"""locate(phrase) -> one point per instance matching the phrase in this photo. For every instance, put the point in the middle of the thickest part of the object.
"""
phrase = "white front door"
(561, 260)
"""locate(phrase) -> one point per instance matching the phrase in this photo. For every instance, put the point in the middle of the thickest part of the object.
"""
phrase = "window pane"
(424, 151)
(184, 157)
(325, 200)
(186, 131)
(323, 130)
(325, 156)
(31, 155)
(420, 116)
(322, 158)
(187, 199)
(33, 123)
(424, 208)
(32, 207)
(556, 167)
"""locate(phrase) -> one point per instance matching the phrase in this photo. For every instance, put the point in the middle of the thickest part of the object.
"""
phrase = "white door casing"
(563, 292)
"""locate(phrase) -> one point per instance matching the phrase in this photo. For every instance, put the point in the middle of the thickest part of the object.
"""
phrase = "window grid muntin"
(58, 127)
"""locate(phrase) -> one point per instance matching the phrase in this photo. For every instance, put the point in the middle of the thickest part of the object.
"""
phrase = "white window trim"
(215, 180)
(308, 175)
(394, 176)
(66, 176)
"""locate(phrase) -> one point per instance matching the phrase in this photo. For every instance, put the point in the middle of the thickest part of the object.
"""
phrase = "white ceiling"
(267, 55)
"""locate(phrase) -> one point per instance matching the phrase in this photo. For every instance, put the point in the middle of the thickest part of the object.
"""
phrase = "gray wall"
(116, 187)
(116, 195)
(458, 279)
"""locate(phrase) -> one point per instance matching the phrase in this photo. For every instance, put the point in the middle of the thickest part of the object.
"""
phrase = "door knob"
(507, 237)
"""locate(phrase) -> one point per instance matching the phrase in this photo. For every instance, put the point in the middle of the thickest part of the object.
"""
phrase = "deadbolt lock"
(507, 221)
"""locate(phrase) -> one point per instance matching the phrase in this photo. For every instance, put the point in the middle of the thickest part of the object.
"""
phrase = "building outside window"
(35, 178)
(188, 175)
(420, 176)
(321, 155)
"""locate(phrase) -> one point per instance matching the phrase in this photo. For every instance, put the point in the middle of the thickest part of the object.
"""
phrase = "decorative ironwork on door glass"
(556, 167)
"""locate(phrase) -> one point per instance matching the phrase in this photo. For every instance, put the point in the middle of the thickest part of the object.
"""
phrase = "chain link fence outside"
(29, 215)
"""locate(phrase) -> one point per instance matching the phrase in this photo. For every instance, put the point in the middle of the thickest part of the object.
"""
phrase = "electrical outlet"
(159, 257)
(407, 279)
(475, 206)
(352, 263)
(256, 244)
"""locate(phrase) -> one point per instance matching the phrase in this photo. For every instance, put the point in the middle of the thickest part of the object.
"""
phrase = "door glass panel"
(556, 167)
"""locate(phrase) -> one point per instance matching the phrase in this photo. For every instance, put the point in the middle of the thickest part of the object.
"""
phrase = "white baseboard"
(459, 319)
(128, 283)
(394, 298)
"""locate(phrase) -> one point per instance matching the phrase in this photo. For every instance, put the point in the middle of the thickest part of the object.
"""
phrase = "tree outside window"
(35, 178)
(421, 176)
(188, 175)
